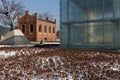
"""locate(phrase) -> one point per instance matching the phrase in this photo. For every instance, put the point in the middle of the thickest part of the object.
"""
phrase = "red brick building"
(36, 29)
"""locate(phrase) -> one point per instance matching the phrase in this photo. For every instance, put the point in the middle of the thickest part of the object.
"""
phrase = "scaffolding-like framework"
(90, 24)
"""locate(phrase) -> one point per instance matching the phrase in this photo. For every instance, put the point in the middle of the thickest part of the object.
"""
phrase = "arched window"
(23, 28)
(31, 28)
(40, 28)
(45, 29)
(49, 29)
(53, 30)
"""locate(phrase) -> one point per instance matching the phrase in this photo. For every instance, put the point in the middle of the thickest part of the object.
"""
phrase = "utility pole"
(6, 11)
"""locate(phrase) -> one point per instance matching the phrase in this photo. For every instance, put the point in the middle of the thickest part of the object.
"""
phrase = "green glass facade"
(90, 24)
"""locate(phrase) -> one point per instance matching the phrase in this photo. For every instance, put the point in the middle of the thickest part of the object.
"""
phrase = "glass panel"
(108, 35)
(95, 9)
(77, 10)
(64, 10)
(64, 35)
(90, 33)
(95, 33)
(117, 33)
(108, 9)
(78, 34)
(117, 8)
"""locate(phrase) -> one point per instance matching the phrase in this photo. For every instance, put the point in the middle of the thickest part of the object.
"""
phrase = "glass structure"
(90, 24)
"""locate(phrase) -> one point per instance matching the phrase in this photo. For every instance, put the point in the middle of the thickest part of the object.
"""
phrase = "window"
(23, 28)
(31, 28)
(49, 29)
(45, 39)
(45, 28)
(53, 30)
(40, 28)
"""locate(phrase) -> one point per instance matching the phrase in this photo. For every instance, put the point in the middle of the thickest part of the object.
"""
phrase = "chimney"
(47, 18)
(36, 14)
(55, 20)
(27, 12)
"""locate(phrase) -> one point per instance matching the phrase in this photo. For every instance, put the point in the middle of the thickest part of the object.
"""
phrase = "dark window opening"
(23, 28)
(31, 28)
(40, 28)
(49, 29)
(53, 30)
(45, 29)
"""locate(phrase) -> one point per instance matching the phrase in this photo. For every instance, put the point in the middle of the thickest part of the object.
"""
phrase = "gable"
(27, 18)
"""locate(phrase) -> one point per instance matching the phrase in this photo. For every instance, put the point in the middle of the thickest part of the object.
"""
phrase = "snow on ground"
(29, 45)
(115, 69)
(4, 54)
(30, 63)
(51, 42)
(56, 42)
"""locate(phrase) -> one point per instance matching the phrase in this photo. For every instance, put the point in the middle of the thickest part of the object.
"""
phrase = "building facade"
(90, 24)
(36, 29)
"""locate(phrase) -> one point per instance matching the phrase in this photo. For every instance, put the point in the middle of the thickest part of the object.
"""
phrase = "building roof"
(15, 37)
(35, 15)
(47, 21)
(4, 30)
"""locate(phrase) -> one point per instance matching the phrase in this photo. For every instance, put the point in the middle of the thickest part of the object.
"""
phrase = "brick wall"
(37, 34)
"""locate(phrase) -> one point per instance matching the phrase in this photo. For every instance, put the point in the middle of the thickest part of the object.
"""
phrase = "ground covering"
(34, 63)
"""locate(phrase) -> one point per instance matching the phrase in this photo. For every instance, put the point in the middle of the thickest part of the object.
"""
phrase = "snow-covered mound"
(29, 63)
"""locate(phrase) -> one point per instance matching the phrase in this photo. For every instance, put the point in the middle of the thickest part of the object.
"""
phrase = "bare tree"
(16, 8)
(44, 15)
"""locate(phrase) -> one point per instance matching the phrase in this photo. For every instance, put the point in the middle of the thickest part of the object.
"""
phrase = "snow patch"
(70, 77)
(116, 66)
(27, 45)
(4, 54)
(80, 77)
(115, 69)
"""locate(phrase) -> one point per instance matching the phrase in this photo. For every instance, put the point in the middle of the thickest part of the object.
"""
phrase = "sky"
(40, 6)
